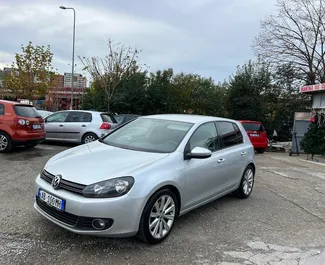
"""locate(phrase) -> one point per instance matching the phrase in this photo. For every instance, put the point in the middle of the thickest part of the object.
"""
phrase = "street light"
(73, 41)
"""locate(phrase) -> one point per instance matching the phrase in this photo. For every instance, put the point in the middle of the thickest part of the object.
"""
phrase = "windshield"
(26, 111)
(253, 127)
(150, 135)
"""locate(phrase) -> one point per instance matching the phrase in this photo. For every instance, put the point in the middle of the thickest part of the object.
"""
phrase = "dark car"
(123, 118)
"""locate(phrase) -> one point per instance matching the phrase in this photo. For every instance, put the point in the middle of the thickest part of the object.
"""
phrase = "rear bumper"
(260, 145)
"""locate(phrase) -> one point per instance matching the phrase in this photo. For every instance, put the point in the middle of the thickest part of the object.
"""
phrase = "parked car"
(78, 126)
(257, 134)
(20, 124)
(138, 184)
(44, 113)
(123, 118)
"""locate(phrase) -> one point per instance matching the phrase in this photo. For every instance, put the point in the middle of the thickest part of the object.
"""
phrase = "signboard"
(312, 88)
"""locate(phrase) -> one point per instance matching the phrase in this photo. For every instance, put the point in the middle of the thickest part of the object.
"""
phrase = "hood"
(90, 163)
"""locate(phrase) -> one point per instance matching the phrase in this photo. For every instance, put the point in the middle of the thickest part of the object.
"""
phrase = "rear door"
(234, 152)
(54, 124)
(76, 125)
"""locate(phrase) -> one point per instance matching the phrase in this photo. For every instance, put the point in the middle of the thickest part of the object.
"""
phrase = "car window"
(26, 111)
(2, 109)
(240, 138)
(57, 117)
(150, 135)
(79, 116)
(205, 136)
(108, 118)
(118, 118)
(253, 127)
(227, 133)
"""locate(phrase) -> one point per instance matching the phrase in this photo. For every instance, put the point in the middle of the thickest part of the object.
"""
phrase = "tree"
(33, 72)
(108, 71)
(313, 142)
(295, 35)
(251, 93)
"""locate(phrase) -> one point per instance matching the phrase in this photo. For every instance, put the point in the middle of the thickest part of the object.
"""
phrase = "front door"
(54, 124)
(203, 176)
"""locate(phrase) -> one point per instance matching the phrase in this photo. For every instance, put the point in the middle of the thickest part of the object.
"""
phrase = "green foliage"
(313, 142)
(34, 73)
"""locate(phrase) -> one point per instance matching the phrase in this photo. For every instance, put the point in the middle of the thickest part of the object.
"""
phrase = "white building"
(78, 82)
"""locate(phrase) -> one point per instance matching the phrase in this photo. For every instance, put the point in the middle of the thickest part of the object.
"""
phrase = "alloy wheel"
(3, 142)
(248, 181)
(162, 216)
(89, 138)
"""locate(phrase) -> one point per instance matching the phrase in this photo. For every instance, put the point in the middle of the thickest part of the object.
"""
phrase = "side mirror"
(199, 153)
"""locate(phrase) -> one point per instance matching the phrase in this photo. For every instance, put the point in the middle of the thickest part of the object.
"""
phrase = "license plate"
(36, 126)
(51, 200)
(254, 135)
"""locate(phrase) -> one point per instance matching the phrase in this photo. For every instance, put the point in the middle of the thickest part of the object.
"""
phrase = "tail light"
(21, 122)
(105, 126)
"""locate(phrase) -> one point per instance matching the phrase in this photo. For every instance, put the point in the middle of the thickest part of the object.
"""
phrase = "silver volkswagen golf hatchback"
(138, 179)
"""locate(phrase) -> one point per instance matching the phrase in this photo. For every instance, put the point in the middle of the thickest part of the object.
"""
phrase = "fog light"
(98, 224)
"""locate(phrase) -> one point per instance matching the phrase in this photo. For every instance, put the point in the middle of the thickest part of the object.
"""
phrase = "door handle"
(221, 160)
(83, 125)
(243, 153)
(61, 125)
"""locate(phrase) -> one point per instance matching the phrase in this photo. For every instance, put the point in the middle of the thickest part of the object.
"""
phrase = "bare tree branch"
(108, 71)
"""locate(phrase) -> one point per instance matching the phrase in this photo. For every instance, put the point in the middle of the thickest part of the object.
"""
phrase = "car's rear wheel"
(158, 217)
(260, 150)
(89, 137)
(5, 143)
(247, 183)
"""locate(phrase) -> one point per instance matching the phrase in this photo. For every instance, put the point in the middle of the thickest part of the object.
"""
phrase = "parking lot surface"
(283, 222)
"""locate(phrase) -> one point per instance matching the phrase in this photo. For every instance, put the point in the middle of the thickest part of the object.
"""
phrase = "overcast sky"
(208, 37)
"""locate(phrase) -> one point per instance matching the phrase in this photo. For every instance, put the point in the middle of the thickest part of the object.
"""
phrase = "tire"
(5, 143)
(87, 138)
(260, 150)
(249, 178)
(145, 234)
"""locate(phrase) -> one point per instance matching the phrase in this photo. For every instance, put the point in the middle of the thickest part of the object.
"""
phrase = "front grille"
(64, 217)
(64, 184)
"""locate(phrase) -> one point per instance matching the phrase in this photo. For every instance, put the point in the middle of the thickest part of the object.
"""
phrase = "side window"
(227, 133)
(205, 136)
(240, 138)
(79, 117)
(2, 109)
(57, 117)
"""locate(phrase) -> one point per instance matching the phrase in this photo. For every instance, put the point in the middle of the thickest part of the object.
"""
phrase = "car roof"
(191, 118)
(88, 111)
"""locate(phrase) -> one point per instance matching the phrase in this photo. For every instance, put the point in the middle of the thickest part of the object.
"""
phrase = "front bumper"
(122, 213)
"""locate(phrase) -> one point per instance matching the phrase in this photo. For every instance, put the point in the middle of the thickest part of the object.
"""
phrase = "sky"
(206, 37)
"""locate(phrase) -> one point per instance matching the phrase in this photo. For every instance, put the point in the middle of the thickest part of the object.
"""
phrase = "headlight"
(109, 188)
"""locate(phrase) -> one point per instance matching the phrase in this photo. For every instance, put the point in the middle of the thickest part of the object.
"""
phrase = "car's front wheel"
(247, 183)
(5, 143)
(158, 217)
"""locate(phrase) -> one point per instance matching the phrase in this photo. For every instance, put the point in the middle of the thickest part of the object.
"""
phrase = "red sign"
(312, 88)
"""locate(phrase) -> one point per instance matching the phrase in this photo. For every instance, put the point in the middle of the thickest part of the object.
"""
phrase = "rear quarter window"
(26, 111)
(2, 109)
(108, 118)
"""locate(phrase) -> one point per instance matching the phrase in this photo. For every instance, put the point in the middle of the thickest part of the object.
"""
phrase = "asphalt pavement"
(282, 223)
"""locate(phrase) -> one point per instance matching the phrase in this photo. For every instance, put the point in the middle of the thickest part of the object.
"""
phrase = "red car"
(257, 134)
(20, 124)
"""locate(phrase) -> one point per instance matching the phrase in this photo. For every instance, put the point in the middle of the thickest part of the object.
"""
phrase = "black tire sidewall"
(84, 137)
(260, 150)
(146, 214)
(241, 190)
(9, 146)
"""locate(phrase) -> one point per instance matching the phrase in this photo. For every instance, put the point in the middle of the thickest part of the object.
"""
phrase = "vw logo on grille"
(56, 181)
